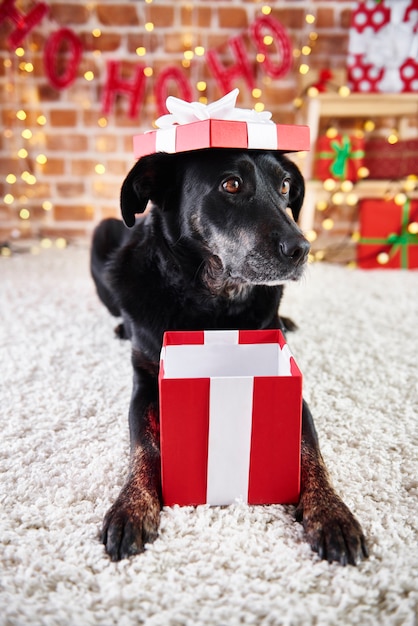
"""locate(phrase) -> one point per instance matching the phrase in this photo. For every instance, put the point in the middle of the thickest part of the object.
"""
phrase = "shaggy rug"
(65, 388)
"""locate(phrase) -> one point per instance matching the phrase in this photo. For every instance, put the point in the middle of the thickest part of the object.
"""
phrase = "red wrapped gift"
(388, 234)
(339, 157)
(214, 133)
(230, 418)
(383, 47)
(391, 161)
(194, 126)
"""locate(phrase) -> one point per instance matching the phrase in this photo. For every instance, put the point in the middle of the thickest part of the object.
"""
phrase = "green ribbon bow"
(397, 241)
(342, 153)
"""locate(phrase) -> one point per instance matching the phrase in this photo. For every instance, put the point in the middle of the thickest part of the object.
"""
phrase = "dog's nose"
(295, 249)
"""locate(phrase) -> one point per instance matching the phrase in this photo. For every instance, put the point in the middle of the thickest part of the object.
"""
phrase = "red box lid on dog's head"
(195, 126)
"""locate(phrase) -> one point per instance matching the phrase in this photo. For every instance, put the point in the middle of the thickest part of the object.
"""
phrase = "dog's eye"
(232, 185)
(284, 189)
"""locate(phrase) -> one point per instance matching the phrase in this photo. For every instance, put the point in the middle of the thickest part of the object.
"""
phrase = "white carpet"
(65, 388)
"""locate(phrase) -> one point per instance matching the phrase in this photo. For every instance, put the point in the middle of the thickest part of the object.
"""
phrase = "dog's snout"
(296, 249)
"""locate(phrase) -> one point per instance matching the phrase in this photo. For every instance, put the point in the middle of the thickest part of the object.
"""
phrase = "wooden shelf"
(355, 105)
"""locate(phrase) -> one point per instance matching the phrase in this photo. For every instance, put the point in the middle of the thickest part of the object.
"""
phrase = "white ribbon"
(182, 112)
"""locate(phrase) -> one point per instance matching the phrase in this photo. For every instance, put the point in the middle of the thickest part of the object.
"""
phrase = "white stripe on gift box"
(262, 136)
(165, 140)
(223, 337)
(230, 422)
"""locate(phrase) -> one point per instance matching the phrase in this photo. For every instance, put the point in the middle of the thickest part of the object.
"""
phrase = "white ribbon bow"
(182, 112)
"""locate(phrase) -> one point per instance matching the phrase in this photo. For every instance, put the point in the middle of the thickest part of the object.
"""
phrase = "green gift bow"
(397, 241)
(342, 153)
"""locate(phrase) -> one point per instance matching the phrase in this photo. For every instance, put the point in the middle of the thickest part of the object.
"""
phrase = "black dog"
(213, 253)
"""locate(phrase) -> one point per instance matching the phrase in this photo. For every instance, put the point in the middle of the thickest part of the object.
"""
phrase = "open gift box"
(230, 418)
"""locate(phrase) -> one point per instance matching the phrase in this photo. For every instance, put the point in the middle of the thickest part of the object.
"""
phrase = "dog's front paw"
(130, 523)
(333, 531)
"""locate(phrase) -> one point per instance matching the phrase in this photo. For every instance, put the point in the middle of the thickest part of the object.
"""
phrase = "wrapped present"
(339, 157)
(195, 126)
(391, 161)
(230, 418)
(383, 47)
(388, 234)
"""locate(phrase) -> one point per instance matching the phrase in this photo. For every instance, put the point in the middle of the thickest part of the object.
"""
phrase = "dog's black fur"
(213, 252)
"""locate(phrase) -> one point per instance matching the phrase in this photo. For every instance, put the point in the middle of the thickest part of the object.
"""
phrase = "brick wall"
(64, 173)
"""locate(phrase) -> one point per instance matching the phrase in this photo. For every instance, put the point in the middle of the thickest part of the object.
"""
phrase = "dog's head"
(238, 207)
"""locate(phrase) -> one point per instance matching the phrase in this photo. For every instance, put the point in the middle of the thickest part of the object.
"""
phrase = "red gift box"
(215, 133)
(339, 157)
(388, 234)
(391, 161)
(230, 418)
(383, 47)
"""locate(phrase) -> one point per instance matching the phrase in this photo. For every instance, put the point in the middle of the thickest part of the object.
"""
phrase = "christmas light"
(24, 214)
(328, 224)
(96, 32)
(369, 126)
(352, 199)
(256, 93)
(268, 40)
(199, 51)
(344, 91)
(259, 106)
(61, 243)
(41, 159)
(27, 133)
(41, 120)
(148, 71)
(400, 199)
(89, 75)
(382, 258)
(329, 184)
(304, 68)
(321, 205)
(265, 10)
(311, 235)
(309, 18)
(331, 132)
(8, 198)
(11, 179)
(363, 172)
(100, 168)
(21, 115)
(47, 205)
(346, 186)
(22, 153)
(141, 51)
(337, 198)
(201, 85)
(313, 92)
(413, 228)
(102, 122)
(188, 55)
(149, 27)
(393, 137)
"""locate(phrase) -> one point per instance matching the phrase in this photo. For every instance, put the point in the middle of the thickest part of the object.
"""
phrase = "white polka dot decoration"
(376, 61)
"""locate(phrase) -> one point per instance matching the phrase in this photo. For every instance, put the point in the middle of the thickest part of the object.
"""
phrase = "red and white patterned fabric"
(383, 47)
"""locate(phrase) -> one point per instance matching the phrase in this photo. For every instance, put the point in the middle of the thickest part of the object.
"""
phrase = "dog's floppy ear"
(151, 178)
(297, 186)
